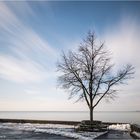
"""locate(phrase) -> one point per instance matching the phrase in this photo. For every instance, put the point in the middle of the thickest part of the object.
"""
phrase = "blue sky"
(32, 36)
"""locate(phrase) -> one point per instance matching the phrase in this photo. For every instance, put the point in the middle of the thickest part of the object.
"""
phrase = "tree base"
(95, 126)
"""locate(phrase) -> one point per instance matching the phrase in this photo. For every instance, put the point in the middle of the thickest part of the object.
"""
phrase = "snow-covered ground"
(63, 130)
(136, 134)
(121, 127)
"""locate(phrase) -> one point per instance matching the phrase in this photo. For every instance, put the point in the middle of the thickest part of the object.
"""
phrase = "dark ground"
(20, 134)
(114, 134)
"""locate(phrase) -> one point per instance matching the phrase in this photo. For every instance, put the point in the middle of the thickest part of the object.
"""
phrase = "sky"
(33, 35)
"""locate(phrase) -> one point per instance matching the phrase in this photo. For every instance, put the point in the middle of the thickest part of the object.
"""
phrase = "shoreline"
(51, 121)
(39, 121)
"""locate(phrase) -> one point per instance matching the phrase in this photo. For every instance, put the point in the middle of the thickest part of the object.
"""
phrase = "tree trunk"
(91, 115)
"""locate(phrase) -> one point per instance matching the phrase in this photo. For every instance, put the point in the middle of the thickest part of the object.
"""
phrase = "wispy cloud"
(20, 71)
(26, 53)
(7, 18)
(123, 40)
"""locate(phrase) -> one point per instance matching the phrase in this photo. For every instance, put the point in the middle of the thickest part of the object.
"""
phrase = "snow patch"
(72, 134)
(122, 127)
(58, 129)
(136, 133)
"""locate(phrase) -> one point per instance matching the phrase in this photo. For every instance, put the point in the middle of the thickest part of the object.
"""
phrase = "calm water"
(124, 117)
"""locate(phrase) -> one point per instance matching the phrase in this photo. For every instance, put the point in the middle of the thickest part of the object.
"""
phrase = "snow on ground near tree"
(122, 127)
(63, 130)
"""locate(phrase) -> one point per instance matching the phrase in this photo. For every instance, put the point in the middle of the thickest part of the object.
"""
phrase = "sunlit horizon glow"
(33, 35)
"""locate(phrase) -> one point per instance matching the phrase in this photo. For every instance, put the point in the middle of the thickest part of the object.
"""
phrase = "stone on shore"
(95, 126)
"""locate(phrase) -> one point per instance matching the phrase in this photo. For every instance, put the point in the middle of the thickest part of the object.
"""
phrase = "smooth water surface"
(107, 116)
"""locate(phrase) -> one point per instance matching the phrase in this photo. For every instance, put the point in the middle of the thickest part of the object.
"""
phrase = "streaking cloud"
(22, 60)
(20, 71)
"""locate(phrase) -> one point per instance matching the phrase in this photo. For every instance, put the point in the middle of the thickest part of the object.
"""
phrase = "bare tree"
(89, 74)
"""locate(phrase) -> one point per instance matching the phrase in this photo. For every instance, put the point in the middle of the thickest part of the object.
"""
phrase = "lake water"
(107, 116)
